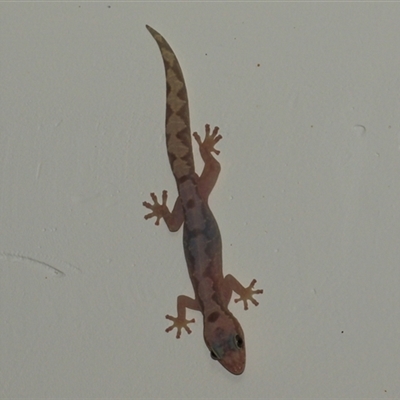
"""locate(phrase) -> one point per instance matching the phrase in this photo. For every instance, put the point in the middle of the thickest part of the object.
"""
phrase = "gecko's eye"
(238, 342)
(214, 355)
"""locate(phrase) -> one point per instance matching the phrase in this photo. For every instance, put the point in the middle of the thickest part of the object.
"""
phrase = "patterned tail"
(177, 120)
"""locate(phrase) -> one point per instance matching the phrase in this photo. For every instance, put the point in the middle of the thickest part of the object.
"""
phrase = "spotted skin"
(202, 244)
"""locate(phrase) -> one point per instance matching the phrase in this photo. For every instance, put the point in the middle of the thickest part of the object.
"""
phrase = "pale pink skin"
(202, 243)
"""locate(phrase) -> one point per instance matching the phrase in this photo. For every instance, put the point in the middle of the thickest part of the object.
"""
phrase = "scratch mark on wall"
(30, 260)
(38, 170)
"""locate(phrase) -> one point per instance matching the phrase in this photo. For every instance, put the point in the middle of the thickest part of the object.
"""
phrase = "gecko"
(202, 243)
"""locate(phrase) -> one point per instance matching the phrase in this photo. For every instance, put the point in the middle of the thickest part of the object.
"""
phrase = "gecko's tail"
(177, 120)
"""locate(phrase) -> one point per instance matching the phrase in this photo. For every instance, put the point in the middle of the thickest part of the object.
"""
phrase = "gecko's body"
(201, 237)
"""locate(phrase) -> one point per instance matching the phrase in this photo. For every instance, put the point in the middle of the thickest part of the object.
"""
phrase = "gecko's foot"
(158, 210)
(209, 142)
(179, 323)
(248, 294)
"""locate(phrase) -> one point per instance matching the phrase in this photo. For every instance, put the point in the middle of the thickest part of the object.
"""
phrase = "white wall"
(307, 99)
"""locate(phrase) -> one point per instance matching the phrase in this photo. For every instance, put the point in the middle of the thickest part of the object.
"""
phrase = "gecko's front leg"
(245, 294)
(179, 322)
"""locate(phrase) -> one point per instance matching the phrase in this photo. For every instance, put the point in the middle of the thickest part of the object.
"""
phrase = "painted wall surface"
(306, 96)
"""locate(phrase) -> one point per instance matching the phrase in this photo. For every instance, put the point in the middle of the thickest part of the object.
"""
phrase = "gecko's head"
(225, 339)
